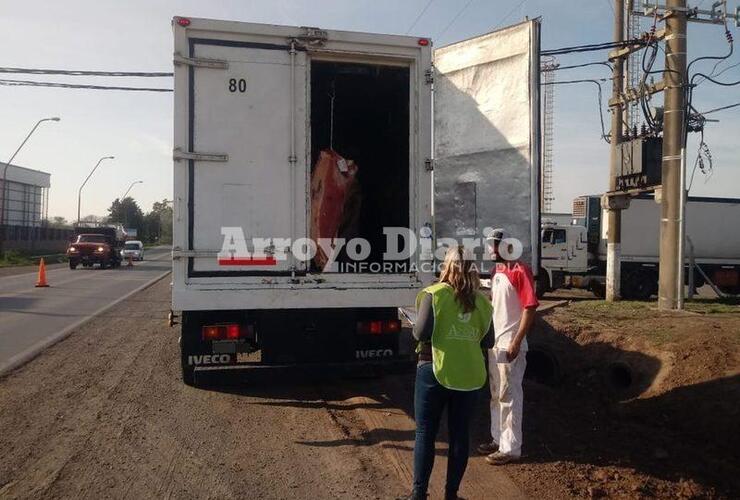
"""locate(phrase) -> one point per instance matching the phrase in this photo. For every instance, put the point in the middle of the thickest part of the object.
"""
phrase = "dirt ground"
(104, 414)
(647, 404)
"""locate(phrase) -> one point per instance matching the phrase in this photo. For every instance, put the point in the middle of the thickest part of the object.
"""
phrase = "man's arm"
(524, 284)
(524, 325)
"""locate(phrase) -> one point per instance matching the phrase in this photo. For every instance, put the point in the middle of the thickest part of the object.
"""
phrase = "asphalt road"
(31, 317)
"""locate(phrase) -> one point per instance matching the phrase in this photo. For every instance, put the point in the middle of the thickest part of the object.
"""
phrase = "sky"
(136, 128)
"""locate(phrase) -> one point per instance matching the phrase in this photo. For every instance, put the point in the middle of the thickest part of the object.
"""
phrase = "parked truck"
(286, 136)
(92, 245)
(575, 255)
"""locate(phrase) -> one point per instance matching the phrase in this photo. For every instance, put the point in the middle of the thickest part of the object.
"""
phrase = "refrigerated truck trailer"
(257, 106)
(575, 255)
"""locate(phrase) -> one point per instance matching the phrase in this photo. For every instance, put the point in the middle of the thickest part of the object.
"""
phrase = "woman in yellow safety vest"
(453, 326)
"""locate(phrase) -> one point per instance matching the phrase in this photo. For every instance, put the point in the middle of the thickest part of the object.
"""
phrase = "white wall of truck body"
(259, 189)
(712, 226)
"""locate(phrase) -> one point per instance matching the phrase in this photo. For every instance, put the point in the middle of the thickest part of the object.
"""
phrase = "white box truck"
(286, 133)
(575, 255)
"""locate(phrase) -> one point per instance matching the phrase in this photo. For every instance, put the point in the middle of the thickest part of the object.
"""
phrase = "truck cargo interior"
(361, 112)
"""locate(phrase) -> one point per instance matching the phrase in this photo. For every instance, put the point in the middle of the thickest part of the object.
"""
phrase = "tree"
(58, 221)
(158, 223)
(127, 213)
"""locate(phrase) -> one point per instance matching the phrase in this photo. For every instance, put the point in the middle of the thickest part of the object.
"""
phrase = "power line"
(459, 13)
(721, 109)
(609, 3)
(502, 21)
(727, 69)
(591, 47)
(67, 72)
(601, 104)
(595, 63)
(421, 14)
(724, 84)
(29, 83)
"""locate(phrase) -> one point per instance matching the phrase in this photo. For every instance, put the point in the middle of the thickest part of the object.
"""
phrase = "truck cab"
(94, 245)
(564, 248)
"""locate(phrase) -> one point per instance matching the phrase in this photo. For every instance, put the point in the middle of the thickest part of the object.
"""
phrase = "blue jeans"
(430, 399)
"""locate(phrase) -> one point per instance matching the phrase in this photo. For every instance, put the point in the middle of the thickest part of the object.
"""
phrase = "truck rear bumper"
(290, 373)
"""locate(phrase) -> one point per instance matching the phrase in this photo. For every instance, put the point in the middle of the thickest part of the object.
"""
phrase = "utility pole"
(613, 213)
(673, 149)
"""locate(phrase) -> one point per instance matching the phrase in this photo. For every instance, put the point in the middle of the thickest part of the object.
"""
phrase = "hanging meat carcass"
(335, 200)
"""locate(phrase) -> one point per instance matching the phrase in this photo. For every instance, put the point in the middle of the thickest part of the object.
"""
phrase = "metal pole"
(682, 230)
(692, 269)
(125, 215)
(5, 172)
(614, 216)
(79, 192)
(670, 222)
(129, 189)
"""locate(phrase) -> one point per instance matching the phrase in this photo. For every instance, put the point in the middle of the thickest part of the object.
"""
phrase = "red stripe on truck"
(264, 261)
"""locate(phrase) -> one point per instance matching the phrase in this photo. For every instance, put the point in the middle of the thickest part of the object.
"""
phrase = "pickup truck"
(92, 246)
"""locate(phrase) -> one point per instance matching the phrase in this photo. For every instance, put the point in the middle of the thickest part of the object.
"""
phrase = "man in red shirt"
(514, 305)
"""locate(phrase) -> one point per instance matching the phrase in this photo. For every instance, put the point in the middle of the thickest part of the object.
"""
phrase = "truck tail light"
(233, 332)
(212, 332)
(378, 327)
(392, 326)
(227, 331)
(183, 21)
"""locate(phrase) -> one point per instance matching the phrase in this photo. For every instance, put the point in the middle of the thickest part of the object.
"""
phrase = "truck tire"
(598, 289)
(542, 285)
(188, 375)
(639, 285)
(72, 265)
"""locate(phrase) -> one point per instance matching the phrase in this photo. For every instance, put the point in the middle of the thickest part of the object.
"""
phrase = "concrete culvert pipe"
(542, 366)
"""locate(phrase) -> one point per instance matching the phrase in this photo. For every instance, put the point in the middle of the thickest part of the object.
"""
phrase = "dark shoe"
(499, 458)
(453, 496)
(487, 448)
(412, 496)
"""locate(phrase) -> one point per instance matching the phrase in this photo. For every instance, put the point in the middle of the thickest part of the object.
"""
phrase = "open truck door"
(487, 138)
(245, 154)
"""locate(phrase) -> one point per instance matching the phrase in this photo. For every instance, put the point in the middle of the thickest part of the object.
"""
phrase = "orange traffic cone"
(41, 282)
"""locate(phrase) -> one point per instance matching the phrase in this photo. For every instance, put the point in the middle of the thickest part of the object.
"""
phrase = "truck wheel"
(188, 375)
(72, 264)
(599, 289)
(542, 285)
(103, 264)
(639, 286)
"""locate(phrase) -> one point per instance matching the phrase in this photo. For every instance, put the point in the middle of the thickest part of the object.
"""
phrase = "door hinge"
(178, 154)
(429, 76)
(199, 62)
(311, 37)
(429, 165)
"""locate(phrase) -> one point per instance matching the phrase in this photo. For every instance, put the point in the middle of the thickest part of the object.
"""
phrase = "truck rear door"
(486, 138)
(246, 170)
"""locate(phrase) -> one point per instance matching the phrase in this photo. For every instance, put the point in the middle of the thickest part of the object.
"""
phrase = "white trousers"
(507, 402)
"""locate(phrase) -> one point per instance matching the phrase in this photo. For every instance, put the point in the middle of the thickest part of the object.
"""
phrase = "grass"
(626, 309)
(14, 258)
(714, 306)
(603, 310)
